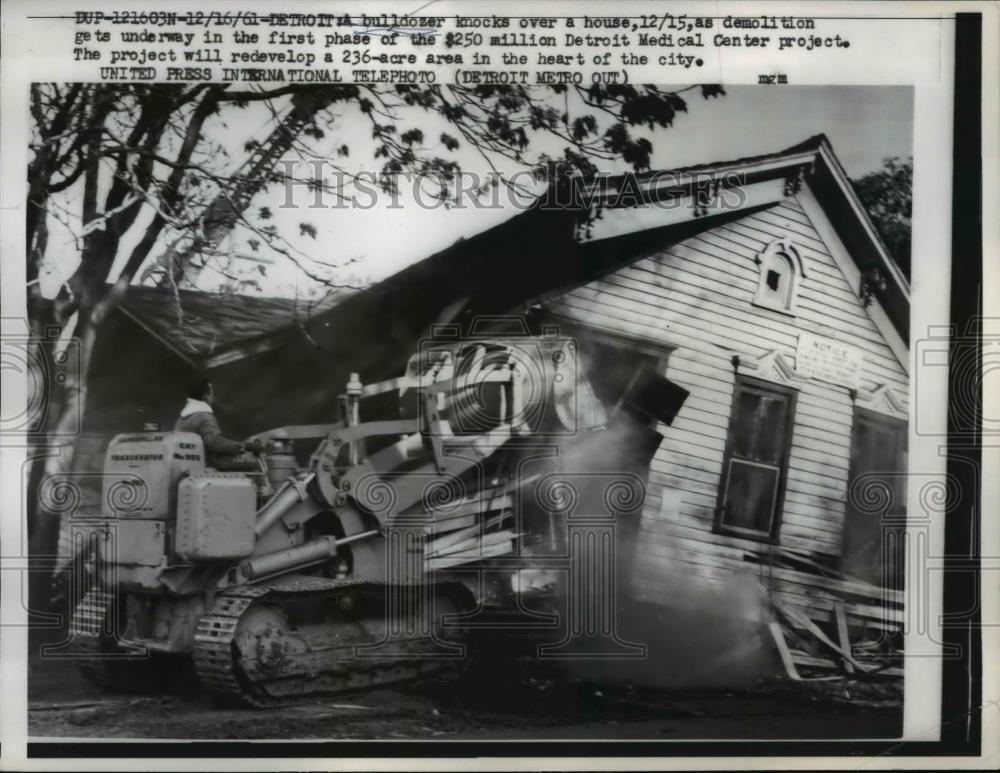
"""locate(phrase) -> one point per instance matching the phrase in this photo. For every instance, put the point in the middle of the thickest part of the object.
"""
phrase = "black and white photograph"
(643, 437)
(473, 413)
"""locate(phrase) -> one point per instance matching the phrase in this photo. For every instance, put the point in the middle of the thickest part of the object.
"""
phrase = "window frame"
(659, 353)
(790, 254)
(895, 424)
(898, 425)
(719, 526)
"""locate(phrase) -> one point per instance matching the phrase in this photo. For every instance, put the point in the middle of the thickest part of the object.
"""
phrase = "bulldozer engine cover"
(215, 517)
(134, 543)
(142, 469)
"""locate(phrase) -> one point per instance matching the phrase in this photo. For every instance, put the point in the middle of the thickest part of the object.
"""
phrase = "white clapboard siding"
(697, 296)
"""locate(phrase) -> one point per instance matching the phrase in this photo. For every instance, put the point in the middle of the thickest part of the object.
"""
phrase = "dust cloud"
(697, 631)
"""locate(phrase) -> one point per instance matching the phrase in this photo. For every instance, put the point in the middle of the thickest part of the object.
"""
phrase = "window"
(756, 459)
(780, 273)
(875, 516)
(612, 367)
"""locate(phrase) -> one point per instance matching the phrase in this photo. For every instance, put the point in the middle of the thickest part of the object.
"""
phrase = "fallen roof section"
(202, 327)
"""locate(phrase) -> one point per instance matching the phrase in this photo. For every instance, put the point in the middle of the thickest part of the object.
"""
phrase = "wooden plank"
(836, 454)
(812, 543)
(796, 486)
(710, 439)
(717, 547)
(818, 474)
(732, 244)
(679, 448)
(714, 375)
(734, 300)
(767, 227)
(681, 482)
(454, 538)
(472, 543)
(686, 423)
(589, 316)
(714, 249)
(839, 588)
(805, 526)
(788, 660)
(844, 317)
(826, 530)
(438, 563)
(678, 316)
(805, 660)
(718, 389)
(681, 466)
(784, 652)
(791, 209)
(819, 605)
(797, 617)
(678, 312)
(843, 638)
(818, 608)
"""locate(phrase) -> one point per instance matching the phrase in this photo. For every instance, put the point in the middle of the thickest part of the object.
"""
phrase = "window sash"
(774, 483)
(786, 395)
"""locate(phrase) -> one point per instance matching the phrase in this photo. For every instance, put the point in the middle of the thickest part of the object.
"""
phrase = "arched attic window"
(781, 272)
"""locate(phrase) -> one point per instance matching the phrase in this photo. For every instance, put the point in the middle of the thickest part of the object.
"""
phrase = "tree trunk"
(51, 462)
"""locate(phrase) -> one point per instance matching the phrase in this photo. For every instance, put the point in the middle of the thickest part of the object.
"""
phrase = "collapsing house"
(761, 287)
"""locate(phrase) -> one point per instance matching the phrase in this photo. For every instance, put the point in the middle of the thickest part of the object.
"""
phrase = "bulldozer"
(362, 552)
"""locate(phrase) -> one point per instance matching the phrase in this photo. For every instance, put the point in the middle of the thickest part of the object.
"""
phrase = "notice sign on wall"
(829, 360)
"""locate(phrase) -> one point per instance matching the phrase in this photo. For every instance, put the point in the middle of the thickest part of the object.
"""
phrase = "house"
(781, 312)
(759, 285)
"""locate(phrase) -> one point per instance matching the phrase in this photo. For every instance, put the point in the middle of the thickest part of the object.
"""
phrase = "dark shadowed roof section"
(202, 327)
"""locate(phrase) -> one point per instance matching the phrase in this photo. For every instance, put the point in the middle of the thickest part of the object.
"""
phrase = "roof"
(201, 327)
(533, 268)
(493, 271)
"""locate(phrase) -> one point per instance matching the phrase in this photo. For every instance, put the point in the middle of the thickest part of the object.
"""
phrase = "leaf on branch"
(710, 90)
(617, 140)
(343, 151)
(596, 94)
(448, 141)
(412, 137)
(254, 244)
(452, 113)
(265, 213)
(307, 229)
(584, 126)
(652, 109)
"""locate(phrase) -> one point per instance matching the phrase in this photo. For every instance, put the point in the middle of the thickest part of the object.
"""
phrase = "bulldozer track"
(218, 662)
(213, 643)
(97, 659)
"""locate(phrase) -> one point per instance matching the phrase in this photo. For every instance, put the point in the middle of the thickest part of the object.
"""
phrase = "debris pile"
(827, 625)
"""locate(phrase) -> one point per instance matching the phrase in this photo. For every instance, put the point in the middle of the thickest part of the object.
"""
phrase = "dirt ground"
(510, 700)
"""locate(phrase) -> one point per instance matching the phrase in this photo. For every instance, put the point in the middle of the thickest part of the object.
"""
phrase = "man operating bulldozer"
(198, 416)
